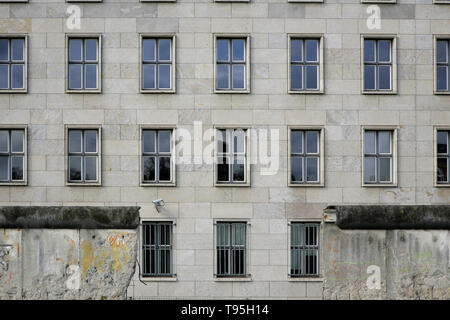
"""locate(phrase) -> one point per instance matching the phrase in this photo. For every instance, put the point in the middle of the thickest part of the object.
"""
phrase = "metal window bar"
(377, 155)
(377, 65)
(83, 154)
(10, 154)
(304, 63)
(445, 64)
(10, 62)
(85, 62)
(156, 63)
(157, 155)
(231, 249)
(304, 249)
(157, 245)
(306, 155)
(446, 157)
(230, 154)
(232, 62)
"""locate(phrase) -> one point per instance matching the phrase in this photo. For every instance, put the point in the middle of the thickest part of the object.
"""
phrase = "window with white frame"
(304, 249)
(442, 174)
(12, 155)
(83, 155)
(157, 164)
(304, 68)
(305, 156)
(379, 65)
(231, 249)
(157, 248)
(442, 66)
(83, 64)
(378, 157)
(13, 64)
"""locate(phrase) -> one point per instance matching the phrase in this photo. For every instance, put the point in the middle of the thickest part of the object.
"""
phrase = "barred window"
(231, 64)
(442, 157)
(231, 249)
(378, 156)
(156, 156)
(12, 64)
(12, 155)
(83, 155)
(304, 249)
(305, 156)
(231, 156)
(83, 64)
(442, 63)
(157, 64)
(157, 246)
(378, 64)
(304, 64)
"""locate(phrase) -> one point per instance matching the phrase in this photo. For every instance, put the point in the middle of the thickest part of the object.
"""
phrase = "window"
(305, 64)
(84, 64)
(304, 249)
(231, 157)
(378, 163)
(157, 71)
(379, 65)
(157, 245)
(231, 249)
(83, 156)
(13, 155)
(232, 64)
(442, 63)
(157, 163)
(13, 64)
(442, 161)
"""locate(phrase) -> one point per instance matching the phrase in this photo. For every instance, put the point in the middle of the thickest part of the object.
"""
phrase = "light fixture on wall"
(158, 203)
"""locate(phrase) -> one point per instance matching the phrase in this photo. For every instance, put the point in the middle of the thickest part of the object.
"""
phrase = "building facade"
(231, 124)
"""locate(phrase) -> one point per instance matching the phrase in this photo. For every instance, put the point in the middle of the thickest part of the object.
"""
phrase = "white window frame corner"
(24, 36)
(435, 156)
(23, 127)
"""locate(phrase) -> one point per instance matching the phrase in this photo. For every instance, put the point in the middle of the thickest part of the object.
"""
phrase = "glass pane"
(4, 138)
(17, 140)
(223, 74)
(17, 76)
(75, 168)
(239, 140)
(238, 46)
(369, 50)
(74, 141)
(75, 76)
(75, 49)
(164, 141)
(384, 142)
(149, 75)
(90, 140)
(164, 52)
(441, 78)
(148, 137)
(441, 51)
(384, 50)
(223, 173)
(4, 50)
(164, 75)
(17, 49)
(91, 76)
(296, 77)
(222, 141)
(4, 169)
(239, 168)
(223, 50)
(296, 169)
(148, 47)
(384, 77)
(223, 234)
(369, 169)
(312, 77)
(296, 50)
(312, 141)
(442, 142)
(238, 76)
(148, 168)
(385, 169)
(312, 169)
(312, 47)
(369, 77)
(296, 141)
(238, 234)
(442, 170)
(164, 169)
(91, 168)
(4, 76)
(369, 142)
(91, 49)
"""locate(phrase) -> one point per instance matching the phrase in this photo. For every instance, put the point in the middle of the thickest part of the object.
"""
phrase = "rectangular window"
(157, 246)
(378, 156)
(83, 156)
(304, 65)
(231, 249)
(231, 60)
(304, 249)
(12, 155)
(305, 159)
(442, 147)
(83, 64)
(231, 156)
(13, 64)
(157, 71)
(157, 156)
(442, 63)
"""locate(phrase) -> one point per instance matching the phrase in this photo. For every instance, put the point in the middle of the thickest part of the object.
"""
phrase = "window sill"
(442, 185)
(380, 185)
(14, 90)
(441, 92)
(156, 91)
(305, 279)
(83, 184)
(305, 91)
(156, 184)
(231, 91)
(84, 0)
(84, 91)
(18, 183)
(440, 2)
(378, 92)
(158, 279)
(306, 1)
(379, 1)
(231, 184)
(306, 185)
(233, 279)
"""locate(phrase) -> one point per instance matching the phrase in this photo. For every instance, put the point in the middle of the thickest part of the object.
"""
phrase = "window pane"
(441, 78)
(296, 77)
(296, 141)
(149, 140)
(223, 173)
(296, 169)
(90, 137)
(238, 49)
(91, 76)
(369, 169)
(312, 50)
(4, 144)
(164, 169)
(239, 140)
(4, 168)
(91, 168)
(384, 77)
(17, 76)
(16, 168)
(369, 142)
(148, 76)
(17, 49)
(442, 170)
(164, 76)
(223, 234)
(296, 50)
(17, 140)
(91, 49)
(75, 76)
(164, 141)
(312, 141)
(75, 168)
(4, 76)
(312, 169)
(222, 50)
(239, 168)
(74, 141)
(384, 50)
(148, 47)
(238, 76)
(238, 234)
(384, 142)
(369, 50)
(4, 50)
(442, 142)
(149, 168)
(369, 77)
(223, 73)
(385, 169)
(441, 51)
(75, 49)
(164, 52)
(311, 77)
(222, 141)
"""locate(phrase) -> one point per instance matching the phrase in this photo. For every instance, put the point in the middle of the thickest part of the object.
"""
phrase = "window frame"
(157, 36)
(307, 36)
(173, 152)
(231, 36)
(437, 37)
(24, 181)
(394, 146)
(379, 1)
(84, 36)
(435, 156)
(376, 37)
(68, 182)
(13, 36)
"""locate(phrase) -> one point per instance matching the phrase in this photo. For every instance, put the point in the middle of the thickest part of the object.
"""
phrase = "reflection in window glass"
(442, 65)
(83, 64)
(443, 158)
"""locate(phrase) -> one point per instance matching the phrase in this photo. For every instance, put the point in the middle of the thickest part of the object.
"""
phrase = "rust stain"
(18, 250)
